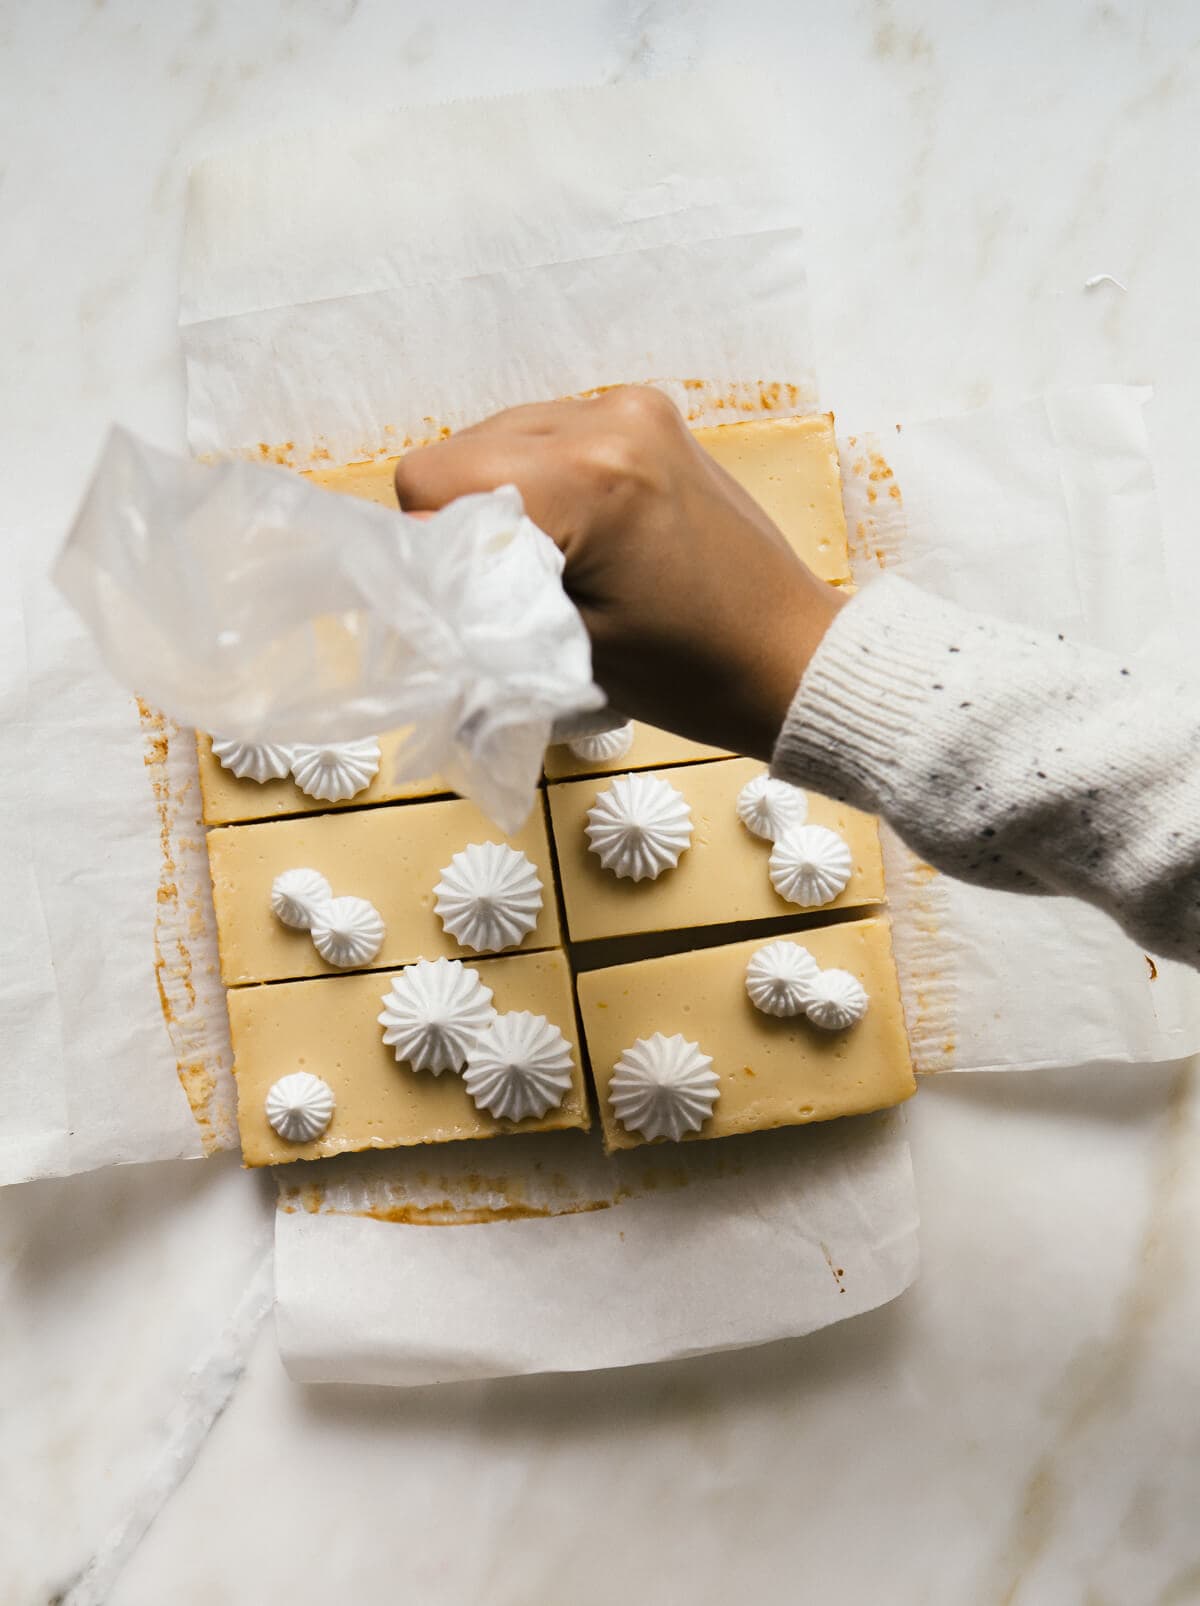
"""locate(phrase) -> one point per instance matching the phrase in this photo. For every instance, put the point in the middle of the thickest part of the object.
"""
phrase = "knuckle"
(641, 406)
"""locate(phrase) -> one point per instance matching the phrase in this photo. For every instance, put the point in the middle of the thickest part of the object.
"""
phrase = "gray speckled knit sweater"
(1008, 758)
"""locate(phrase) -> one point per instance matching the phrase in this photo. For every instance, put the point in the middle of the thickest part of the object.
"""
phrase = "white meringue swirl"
(489, 897)
(837, 1000)
(297, 895)
(605, 745)
(780, 977)
(299, 1107)
(639, 826)
(253, 761)
(769, 807)
(348, 932)
(663, 1087)
(810, 866)
(518, 1066)
(433, 1012)
(335, 771)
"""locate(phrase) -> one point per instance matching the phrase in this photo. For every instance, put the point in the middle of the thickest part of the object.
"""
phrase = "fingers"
(429, 477)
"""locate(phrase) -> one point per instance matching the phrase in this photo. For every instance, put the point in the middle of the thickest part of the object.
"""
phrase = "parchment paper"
(646, 1256)
(109, 1003)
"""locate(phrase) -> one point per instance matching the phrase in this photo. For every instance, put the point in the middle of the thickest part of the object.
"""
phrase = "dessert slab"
(790, 467)
(392, 856)
(771, 1071)
(649, 749)
(229, 799)
(329, 1028)
(722, 877)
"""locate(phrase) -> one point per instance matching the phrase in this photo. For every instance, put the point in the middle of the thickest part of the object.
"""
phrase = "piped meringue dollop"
(299, 1107)
(663, 1087)
(837, 1000)
(297, 896)
(779, 978)
(606, 745)
(489, 897)
(253, 761)
(518, 1066)
(348, 932)
(433, 1012)
(810, 866)
(335, 771)
(769, 808)
(639, 826)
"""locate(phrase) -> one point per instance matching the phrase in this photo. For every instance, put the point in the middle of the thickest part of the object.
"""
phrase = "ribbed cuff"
(866, 691)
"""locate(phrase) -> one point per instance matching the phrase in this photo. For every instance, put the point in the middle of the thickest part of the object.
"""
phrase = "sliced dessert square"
(391, 859)
(701, 1059)
(790, 467)
(229, 798)
(355, 1094)
(722, 870)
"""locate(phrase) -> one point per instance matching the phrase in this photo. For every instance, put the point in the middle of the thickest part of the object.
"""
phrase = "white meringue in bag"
(335, 771)
(348, 932)
(433, 1012)
(780, 977)
(837, 1000)
(299, 1107)
(663, 1087)
(297, 896)
(605, 745)
(769, 807)
(252, 761)
(639, 826)
(810, 866)
(518, 1066)
(489, 897)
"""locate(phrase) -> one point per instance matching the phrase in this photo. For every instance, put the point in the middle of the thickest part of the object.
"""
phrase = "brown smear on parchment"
(178, 923)
(876, 480)
(701, 401)
(438, 1196)
(875, 527)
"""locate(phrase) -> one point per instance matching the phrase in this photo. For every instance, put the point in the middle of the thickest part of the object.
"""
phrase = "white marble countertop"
(1019, 1429)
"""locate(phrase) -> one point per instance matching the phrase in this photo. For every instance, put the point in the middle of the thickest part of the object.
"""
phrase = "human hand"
(701, 616)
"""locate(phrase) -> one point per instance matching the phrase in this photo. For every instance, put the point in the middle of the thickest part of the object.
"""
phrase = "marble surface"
(1019, 1428)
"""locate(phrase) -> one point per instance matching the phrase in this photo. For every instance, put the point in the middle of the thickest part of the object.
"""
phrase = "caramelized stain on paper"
(836, 1272)
(876, 478)
(705, 401)
(173, 963)
(498, 1197)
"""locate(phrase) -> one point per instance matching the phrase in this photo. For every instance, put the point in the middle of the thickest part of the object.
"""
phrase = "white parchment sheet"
(711, 1246)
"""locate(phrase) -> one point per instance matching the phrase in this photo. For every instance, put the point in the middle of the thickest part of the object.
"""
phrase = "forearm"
(1009, 759)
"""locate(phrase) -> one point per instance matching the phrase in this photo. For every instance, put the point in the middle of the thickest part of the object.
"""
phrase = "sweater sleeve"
(1008, 758)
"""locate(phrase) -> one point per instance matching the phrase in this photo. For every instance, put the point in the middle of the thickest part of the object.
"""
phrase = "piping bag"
(244, 600)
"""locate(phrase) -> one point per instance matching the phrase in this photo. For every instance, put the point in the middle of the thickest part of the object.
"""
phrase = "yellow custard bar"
(329, 1029)
(392, 857)
(771, 1071)
(228, 799)
(649, 749)
(790, 467)
(722, 877)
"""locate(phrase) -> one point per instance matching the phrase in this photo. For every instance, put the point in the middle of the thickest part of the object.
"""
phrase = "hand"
(702, 618)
